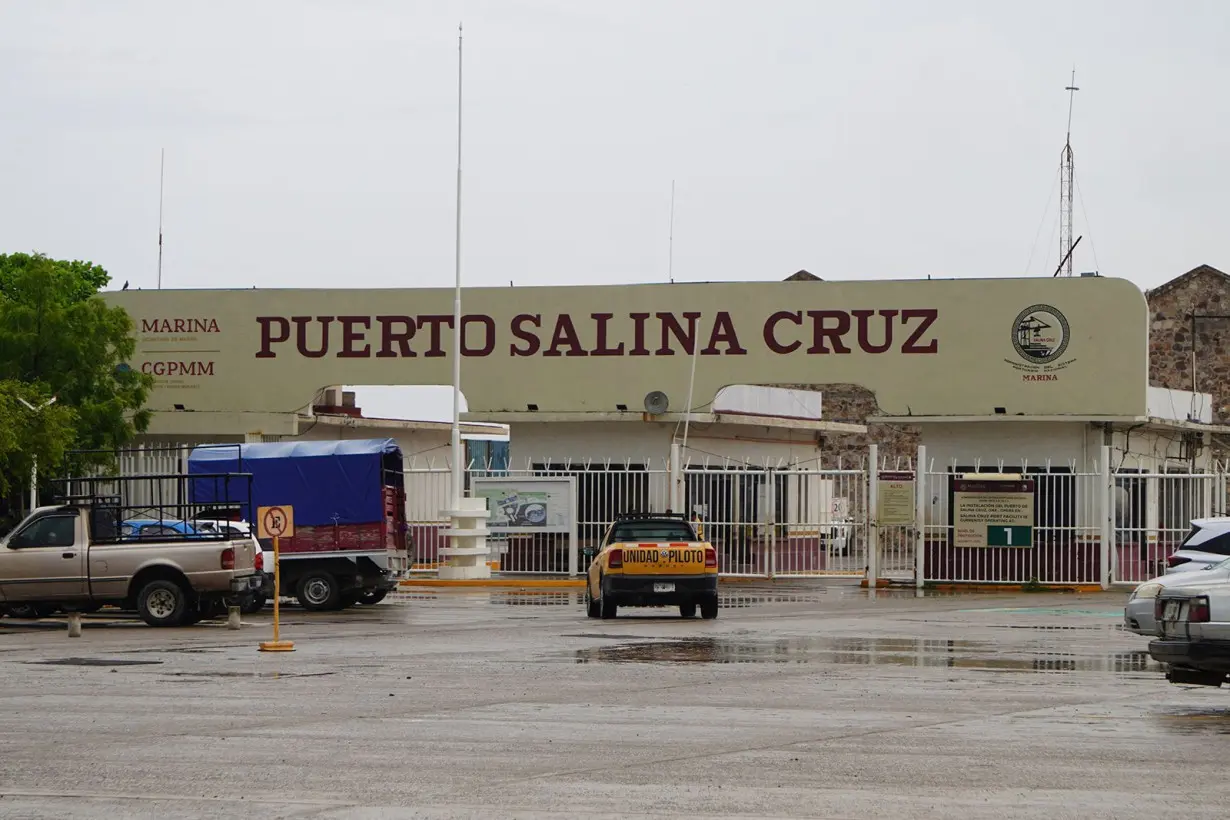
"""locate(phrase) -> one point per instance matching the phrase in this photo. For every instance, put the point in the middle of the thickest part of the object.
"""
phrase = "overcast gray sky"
(312, 143)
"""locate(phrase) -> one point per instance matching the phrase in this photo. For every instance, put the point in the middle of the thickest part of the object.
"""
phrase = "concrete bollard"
(232, 618)
(74, 624)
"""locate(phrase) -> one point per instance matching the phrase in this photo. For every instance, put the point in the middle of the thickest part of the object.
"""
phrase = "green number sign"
(1012, 536)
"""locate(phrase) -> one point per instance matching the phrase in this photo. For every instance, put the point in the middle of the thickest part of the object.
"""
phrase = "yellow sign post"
(276, 523)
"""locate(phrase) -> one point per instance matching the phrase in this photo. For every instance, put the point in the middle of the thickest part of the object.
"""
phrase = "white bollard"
(74, 624)
(232, 618)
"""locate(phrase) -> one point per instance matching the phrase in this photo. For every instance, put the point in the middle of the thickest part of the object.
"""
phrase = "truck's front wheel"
(318, 592)
(162, 603)
(371, 597)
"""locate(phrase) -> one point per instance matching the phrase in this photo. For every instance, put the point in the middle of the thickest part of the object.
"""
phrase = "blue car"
(140, 529)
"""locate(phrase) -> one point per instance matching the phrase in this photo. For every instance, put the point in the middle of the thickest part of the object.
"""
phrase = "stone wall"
(853, 404)
(1203, 290)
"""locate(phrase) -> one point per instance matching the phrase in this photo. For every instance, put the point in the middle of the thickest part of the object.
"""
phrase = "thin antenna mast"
(162, 164)
(1067, 179)
(458, 480)
(670, 258)
(691, 385)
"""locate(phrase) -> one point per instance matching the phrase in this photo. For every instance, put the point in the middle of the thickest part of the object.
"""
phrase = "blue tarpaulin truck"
(349, 505)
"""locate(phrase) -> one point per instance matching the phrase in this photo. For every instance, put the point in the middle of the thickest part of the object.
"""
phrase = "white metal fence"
(787, 520)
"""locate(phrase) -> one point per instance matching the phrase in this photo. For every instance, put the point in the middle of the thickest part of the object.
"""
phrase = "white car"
(1194, 633)
(1208, 543)
(1138, 614)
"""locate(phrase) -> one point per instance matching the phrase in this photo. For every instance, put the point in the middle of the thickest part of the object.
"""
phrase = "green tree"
(59, 338)
(25, 434)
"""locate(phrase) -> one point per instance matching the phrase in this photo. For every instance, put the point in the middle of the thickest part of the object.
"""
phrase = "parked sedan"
(1194, 633)
(1138, 614)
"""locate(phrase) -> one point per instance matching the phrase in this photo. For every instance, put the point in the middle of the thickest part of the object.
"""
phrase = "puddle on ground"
(94, 662)
(1045, 628)
(1061, 611)
(531, 598)
(956, 654)
(248, 674)
(1196, 721)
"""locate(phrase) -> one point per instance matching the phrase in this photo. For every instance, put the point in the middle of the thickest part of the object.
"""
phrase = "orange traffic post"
(275, 522)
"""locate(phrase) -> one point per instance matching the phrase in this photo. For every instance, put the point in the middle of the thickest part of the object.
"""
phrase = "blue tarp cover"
(325, 481)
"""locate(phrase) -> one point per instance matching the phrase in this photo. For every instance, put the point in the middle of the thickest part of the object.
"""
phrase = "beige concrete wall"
(921, 347)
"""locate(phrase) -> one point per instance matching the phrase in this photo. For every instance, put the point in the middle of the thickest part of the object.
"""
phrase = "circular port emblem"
(1040, 334)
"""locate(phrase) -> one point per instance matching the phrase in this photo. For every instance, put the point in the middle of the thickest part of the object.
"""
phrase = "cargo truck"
(349, 502)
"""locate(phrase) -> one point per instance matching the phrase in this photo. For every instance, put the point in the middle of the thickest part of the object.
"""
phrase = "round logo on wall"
(1040, 334)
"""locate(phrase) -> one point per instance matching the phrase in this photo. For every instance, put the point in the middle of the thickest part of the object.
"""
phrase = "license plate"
(663, 587)
(1171, 611)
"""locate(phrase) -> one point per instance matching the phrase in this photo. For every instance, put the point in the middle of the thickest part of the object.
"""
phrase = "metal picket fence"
(1113, 525)
(785, 521)
(1066, 534)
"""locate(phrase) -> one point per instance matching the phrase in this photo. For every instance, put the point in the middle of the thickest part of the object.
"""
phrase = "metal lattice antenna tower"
(1067, 181)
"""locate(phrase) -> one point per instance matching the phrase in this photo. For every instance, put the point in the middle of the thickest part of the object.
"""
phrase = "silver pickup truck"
(78, 558)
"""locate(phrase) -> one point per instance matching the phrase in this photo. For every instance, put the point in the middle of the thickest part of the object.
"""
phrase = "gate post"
(770, 495)
(1107, 503)
(1220, 500)
(873, 518)
(920, 516)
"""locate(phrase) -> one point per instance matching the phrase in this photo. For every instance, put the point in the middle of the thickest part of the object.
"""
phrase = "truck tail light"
(1198, 611)
(260, 562)
(228, 558)
(1175, 560)
(710, 558)
(615, 559)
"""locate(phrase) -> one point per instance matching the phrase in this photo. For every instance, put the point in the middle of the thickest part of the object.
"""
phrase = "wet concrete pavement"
(818, 701)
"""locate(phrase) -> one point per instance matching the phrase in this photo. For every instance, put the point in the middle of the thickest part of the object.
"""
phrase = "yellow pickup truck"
(652, 559)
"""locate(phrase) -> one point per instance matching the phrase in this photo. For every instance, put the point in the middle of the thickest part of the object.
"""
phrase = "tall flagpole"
(458, 466)
(162, 163)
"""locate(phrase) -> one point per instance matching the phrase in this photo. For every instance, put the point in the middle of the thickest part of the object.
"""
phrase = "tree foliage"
(59, 338)
(46, 432)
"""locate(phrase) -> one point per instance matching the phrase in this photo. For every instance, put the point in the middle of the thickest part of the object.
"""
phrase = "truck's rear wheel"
(688, 610)
(709, 607)
(372, 596)
(162, 603)
(609, 608)
(318, 592)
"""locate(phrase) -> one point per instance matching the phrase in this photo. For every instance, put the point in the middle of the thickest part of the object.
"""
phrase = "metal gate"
(781, 522)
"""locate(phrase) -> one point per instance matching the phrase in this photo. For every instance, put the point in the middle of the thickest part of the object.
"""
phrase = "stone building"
(1189, 330)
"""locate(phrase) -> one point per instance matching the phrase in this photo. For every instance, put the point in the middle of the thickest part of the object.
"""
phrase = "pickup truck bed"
(74, 557)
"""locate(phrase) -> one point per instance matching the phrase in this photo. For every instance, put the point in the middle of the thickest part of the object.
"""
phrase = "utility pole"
(458, 479)
(1067, 181)
(162, 164)
(34, 464)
